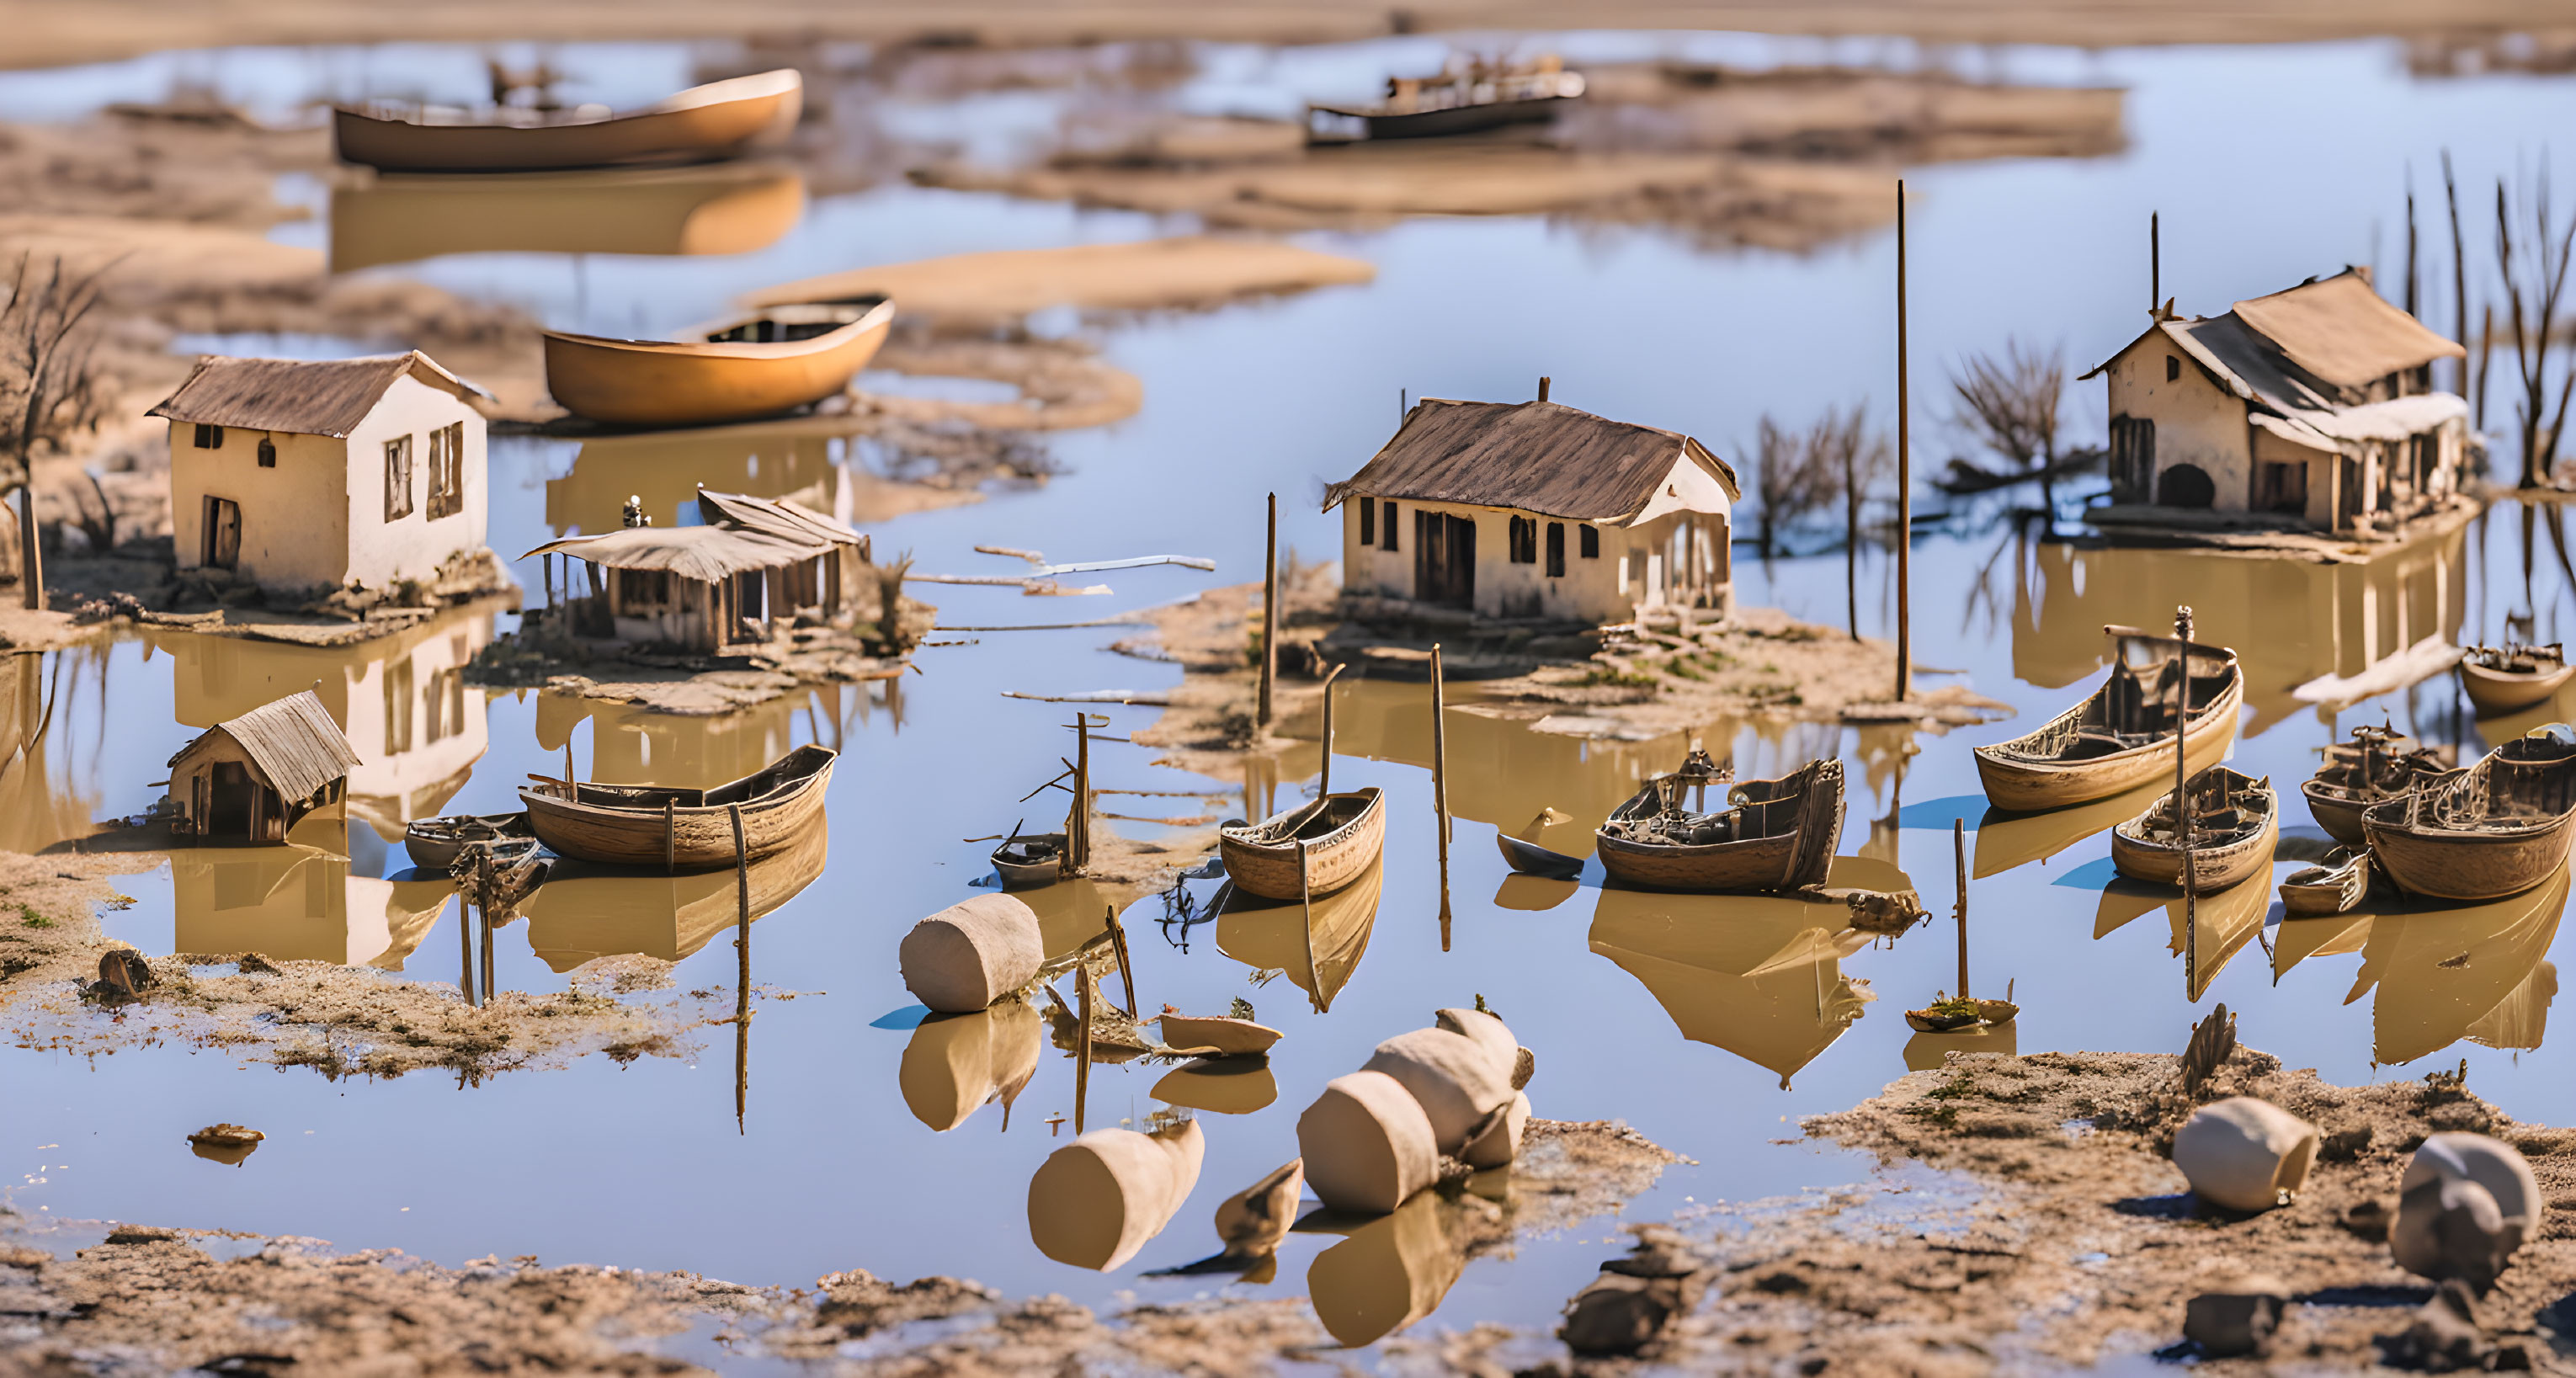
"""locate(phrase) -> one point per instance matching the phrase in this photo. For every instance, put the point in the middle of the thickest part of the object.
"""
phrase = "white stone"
(2242, 1153)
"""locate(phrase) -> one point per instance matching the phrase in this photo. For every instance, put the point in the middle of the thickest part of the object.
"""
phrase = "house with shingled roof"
(1537, 511)
(301, 474)
(2312, 407)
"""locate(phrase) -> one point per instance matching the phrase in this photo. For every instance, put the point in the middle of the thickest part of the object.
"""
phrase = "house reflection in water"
(402, 699)
(810, 459)
(629, 745)
(299, 903)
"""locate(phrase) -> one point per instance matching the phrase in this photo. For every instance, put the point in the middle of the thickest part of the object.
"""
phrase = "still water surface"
(1709, 1024)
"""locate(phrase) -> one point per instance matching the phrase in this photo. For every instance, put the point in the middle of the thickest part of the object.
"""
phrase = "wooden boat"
(1459, 101)
(2510, 678)
(1779, 835)
(2333, 886)
(772, 361)
(1523, 854)
(650, 825)
(722, 119)
(2235, 820)
(1950, 1016)
(1337, 837)
(435, 843)
(2494, 829)
(2121, 736)
(1026, 861)
(2377, 764)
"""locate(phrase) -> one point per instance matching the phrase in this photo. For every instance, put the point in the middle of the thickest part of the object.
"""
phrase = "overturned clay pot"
(972, 953)
(1367, 1144)
(2449, 1229)
(2243, 1153)
(2491, 1163)
(1097, 1200)
(1498, 1141)
(1458, 1080)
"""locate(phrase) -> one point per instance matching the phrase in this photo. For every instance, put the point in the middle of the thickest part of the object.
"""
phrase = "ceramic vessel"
(2243, 1153)
(972, 953)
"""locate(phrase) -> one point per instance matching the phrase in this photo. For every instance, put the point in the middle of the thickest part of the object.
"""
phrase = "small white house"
(296, 474)
(1537, 510)
(2315, 405)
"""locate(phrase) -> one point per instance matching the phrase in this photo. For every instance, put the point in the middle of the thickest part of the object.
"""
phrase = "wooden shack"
(253, 776)
(751, 565)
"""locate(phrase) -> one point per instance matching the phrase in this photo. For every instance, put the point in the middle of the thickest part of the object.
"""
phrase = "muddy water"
(1710, 1024)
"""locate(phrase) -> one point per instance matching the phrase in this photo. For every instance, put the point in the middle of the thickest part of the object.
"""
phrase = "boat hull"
(1464, 119)
(2327, 892)
(696, 836)
(1796, 860)
(432, 852)
(676, 383)
(1531, 859)
(2215, 867)
(2340, 817)
(721, 120)
(2469, 865)
(2494, 693)
(1270, 869)
(2029, 786)
(1030, 874)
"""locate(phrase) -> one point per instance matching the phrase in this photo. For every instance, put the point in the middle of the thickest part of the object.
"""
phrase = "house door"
(223, 533)
(1444, 560)
(234, 800)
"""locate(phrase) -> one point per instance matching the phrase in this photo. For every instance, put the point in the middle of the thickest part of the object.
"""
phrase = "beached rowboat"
(2510, 678)
(1779, 835)
(2333, 886)
(2377, 764)
(2494, 829)
(1026, 861)
(722, 119)
(435, 843)
(1338, 835)
(649, 825)
(2121, 736)
(2234, 822)
(774, 360)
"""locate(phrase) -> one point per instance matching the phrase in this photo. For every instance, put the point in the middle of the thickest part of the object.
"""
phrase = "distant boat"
(2121, 736)
(2235, 820)
(2377, 764)
(2510, 678)
(686, 829)
(1460, 101)
(722, 119)
(435, 843)
(2494, 829)
(1778, 835)
(774, 360)
(2333, 886)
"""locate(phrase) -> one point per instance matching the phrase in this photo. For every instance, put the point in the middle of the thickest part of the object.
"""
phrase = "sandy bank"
(1197, 271)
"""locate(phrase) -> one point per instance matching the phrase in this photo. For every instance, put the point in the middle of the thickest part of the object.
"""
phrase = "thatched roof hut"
(254, 775)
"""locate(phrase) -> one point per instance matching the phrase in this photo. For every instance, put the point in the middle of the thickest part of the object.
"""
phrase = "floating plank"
(1151, 698)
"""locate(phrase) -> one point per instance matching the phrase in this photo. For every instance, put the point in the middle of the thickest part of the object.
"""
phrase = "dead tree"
(2011, 408)
(2535, 280)
(49, 385)
(1844, 446)
(1792, 477)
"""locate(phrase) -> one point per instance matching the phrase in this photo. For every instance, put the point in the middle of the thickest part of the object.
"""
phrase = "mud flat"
(161, 1298)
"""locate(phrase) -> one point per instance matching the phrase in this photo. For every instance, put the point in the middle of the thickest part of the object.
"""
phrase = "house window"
(447, 471)
(1368, 522)
(209, 437)
(2173, 369)
(398, 707)
(1591, 542)
(398, 478)
(267, 453)
(1524, 540)
(1556, 550)
(1387, 522)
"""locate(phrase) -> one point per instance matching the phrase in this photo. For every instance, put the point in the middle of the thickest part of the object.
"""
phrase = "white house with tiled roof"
(298, 474)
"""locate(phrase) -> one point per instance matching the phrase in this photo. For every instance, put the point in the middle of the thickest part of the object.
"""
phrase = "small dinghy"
(1315, 848)
(2332, 886)
(773, 361)
(2495, 829)
(2121, 736)
(1027, 861)
(1522, 853)
(2510, 678)
(682, 829)
(721, 119)
(435, 843)
(1949, 1014)
(2234, 822)
(2377, 765)
(1779, 834)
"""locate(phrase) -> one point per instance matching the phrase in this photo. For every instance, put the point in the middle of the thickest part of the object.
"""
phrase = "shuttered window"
(1368, 522)
(447, 471)
(1591, 543)
(1387, 523)
(1524, 540)
(1556, 550)
(398, 478)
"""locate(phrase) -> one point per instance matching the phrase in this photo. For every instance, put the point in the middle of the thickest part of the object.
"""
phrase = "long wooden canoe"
(2510, 678)
(2121, 735)
(1779, 835)
(1341, 835)
(2235, 820)
(686, 829)
(2494, 829)
(2378, 764)
(772, 361)
(722, 119)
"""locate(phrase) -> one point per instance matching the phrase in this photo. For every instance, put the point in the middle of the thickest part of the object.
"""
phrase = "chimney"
(1542, 388)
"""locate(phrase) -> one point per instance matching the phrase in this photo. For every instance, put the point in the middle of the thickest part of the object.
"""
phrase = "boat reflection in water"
(2006, 841)
(417, 727)
(2207, 930)
(299, 903)
(957, 1064)
(723, 209)
(1926, 1051)
(2469, 971)
(1388, 1271)
(586, 911)
(1219, 1086)
(1757, 975)
(1319, 944)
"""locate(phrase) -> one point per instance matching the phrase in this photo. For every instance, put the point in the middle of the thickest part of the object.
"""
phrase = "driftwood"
(2213, 1041)
(1152, 698)
(1042, 568)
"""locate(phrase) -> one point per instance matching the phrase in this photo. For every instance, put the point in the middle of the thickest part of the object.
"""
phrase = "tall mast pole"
(1904, 479)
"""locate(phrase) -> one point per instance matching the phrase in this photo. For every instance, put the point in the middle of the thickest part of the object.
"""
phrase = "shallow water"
(1709, 1024)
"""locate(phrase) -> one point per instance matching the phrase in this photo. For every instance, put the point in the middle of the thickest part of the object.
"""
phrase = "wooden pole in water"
(742, 981)
(2182, 800)
(670, 836)
(1118, 949)
(1959, 853)
(1904, 479)
(483, 888)
(1324, 781)
(2155, 263)
(465, 947)
(1077, 840)
(1269, 618)
(572, 787)
(1081, 1041)
(1440, 786)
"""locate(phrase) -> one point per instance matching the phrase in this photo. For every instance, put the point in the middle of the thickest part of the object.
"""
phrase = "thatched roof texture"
(301, 396)
(1534, 456)
(2341, 330)
(791, 521)
(292, 741)
(707, 554)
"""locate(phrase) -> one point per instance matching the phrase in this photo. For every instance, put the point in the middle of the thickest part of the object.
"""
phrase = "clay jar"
(2243, 1153)
(1367, 1144)
(972, 953)
(1097, 1200)
(2466, 1203)
(1458, 1080)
